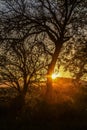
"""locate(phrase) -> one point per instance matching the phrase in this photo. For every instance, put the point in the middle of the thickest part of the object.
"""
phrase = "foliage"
(74, 57)
(21, 66)
(54, 22)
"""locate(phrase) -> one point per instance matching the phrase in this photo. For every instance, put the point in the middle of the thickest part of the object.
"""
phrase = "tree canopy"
(53, 23)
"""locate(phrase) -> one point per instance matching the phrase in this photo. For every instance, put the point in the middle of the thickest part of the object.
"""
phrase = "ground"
(67, 109)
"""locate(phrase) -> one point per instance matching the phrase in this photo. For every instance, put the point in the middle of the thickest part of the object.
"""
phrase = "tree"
(58, 20)
(21, 67)
(74, 57)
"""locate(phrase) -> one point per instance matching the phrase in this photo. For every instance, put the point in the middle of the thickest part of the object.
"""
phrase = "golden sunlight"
(54, 75)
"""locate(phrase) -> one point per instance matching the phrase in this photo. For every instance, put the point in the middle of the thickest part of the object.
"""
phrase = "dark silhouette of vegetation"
(33, 34)
(58, 21)
(62, 115)
(21, 67)
(74, 57)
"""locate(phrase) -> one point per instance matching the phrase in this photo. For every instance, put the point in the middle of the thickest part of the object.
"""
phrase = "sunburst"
(54, 75)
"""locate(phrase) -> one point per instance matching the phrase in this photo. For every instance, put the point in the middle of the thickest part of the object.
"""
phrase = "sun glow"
(54, 75)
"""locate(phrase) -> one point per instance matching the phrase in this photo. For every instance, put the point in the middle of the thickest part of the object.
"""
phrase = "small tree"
(21, 67)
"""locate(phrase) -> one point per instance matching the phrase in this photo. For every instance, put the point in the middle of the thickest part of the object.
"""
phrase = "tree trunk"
(51, 70)
(19, 101)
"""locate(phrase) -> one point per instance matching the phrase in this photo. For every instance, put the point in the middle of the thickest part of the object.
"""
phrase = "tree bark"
(51, 70)
(19, 101)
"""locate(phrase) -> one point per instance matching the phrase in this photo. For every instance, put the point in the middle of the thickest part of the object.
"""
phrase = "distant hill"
(63, 80)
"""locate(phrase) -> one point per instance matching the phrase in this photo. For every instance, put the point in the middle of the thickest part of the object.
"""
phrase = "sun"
(54, 75)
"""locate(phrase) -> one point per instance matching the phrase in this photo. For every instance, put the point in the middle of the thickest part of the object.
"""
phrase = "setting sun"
(54, 76)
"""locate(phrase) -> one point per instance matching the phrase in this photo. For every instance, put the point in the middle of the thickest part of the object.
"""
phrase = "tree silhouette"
(57, 20)
(74, 58)
(21, 67)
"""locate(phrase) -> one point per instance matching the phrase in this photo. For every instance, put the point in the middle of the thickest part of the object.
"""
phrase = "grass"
(67, 109)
